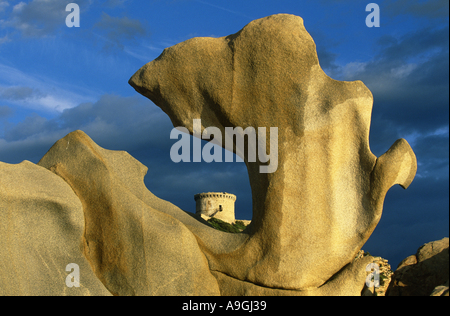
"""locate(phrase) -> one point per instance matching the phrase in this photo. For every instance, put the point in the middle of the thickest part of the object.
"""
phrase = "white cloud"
(353, 69)
(225, 9)
(144, 52)
(3, 5)
(19, 7)
(4, 39)
(38, 92)
(118, 30)
(403, 70)
(114, 122)
(39, 18)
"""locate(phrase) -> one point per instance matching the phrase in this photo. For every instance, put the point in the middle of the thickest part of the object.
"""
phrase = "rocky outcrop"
(85, 205)
(384, 276)
(441, 290)
(423, 274)
(132, 246)
(41, 231)
(326, 196)
(89, 206)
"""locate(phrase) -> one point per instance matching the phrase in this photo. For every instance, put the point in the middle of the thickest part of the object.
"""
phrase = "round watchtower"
(216, 204)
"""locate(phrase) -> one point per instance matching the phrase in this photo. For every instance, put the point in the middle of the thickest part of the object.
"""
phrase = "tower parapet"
(216, 204)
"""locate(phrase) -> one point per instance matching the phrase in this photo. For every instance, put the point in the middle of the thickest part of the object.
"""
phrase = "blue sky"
(55, 79)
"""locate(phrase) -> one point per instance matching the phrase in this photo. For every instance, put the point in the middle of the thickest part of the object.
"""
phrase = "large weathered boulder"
(424, 273)
(85, 205)
(326, 196)
(384, 273)
(132, 247)
(441, 290)
(89, 206)
(41, 233)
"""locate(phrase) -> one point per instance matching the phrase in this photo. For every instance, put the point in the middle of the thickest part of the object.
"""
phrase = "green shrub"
(226, 227)
(240, 225)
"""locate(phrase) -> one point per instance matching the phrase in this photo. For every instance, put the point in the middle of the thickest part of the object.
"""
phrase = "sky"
(55, 79)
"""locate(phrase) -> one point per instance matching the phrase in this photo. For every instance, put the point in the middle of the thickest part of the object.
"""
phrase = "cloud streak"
(224, 9)
(409, 79)
(113, 121)
(39, 92)
(429, 9)
(117, 30)
(39, 18)
(137, 126)
(3, 5)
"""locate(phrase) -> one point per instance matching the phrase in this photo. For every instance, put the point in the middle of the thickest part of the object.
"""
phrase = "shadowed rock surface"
(420, 274)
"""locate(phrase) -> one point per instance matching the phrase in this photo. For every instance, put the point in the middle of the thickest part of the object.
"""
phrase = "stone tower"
(216, 204)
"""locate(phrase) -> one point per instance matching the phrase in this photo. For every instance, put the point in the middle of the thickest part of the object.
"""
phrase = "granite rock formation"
(326, 197)
(423, 274)
(41, 231)
(384, 276)
(132, 247)
(441, 290)
(87, 205)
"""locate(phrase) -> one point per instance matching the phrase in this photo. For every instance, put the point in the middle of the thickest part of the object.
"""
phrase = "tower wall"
(216, 204)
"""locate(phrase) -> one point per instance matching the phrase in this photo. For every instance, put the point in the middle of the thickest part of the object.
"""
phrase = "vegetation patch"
(218, 224)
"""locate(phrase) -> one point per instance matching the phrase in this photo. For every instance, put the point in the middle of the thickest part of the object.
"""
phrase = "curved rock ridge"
(132, 246)
(41, 228)
(326, 197)
(86, 205)
(425, 273)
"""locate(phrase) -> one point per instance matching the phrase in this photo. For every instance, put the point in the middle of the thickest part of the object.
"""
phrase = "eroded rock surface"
(41, 232)
(132, 247)
(423, 274)
(326, 197)
(87, 205)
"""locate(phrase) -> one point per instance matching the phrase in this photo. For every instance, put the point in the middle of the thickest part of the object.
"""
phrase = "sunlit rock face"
(313, 214)
(87, 208)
